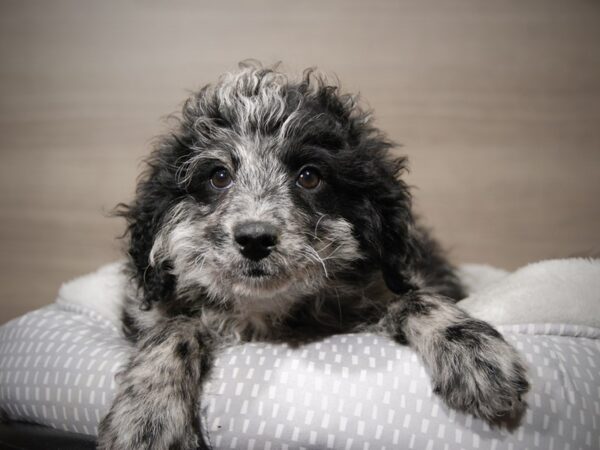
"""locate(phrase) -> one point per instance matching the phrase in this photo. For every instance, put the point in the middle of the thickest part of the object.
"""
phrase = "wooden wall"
(497, 104)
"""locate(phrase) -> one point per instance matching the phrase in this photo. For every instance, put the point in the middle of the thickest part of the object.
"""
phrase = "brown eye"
(221, 179)
(309, 178)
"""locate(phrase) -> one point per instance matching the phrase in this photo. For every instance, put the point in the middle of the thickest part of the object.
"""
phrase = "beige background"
(496, 102)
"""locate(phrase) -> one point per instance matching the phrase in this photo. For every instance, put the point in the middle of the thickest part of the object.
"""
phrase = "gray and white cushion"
(359, 391)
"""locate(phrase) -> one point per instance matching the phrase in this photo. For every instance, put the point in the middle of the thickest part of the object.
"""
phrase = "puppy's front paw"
(131, 425)
(475, 370)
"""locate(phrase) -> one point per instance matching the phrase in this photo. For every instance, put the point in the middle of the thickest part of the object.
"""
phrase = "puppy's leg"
(157, 399)
(471, 366)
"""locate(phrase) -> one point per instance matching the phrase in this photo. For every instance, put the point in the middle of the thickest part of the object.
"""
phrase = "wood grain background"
(497, 103)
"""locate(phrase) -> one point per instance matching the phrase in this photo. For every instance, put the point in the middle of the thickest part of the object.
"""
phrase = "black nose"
(256, 239)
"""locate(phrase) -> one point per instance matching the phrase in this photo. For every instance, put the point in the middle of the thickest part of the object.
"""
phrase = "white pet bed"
(358, 391)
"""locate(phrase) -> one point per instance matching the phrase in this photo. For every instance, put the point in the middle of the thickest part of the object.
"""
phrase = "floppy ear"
(396, 246)
(144, 217)
(396, 243)
(156, 194)
(406, 249)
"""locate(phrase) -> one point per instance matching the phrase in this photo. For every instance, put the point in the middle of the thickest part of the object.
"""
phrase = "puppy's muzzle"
(255, 239)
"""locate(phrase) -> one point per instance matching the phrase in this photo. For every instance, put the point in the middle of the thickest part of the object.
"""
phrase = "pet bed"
(357, 391)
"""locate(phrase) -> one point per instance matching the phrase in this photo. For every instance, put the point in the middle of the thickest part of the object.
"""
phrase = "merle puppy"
(274, 211)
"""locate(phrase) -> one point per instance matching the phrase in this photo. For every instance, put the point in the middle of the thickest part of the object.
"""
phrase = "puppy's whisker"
(310, 257)
(332, 254)
(318, 258)
(312, 236)
(317, 225)
(327, 246)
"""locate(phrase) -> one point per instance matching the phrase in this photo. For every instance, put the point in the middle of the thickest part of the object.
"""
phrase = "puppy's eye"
(221, 178)
(309, 178)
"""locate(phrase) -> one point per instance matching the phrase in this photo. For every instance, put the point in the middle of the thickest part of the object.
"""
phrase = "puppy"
(274, 211)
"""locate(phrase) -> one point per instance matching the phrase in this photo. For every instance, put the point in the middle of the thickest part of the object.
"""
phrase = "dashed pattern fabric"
(57, 367)
(358, 391)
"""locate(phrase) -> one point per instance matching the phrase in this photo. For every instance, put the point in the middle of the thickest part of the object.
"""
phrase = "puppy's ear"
(396, 244)
(405, 248)
(144, 218)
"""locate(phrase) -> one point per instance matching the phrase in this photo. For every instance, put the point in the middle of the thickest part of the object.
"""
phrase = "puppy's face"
(256, 223)
(272, 188)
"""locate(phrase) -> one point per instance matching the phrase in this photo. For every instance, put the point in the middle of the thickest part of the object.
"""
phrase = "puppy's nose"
(256, 239)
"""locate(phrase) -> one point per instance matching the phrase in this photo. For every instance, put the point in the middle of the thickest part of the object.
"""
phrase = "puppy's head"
(269, 190)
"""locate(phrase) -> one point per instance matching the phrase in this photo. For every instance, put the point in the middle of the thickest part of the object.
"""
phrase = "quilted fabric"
(359, 391)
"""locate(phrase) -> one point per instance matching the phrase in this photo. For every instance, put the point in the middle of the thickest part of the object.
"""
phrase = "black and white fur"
(347, 255)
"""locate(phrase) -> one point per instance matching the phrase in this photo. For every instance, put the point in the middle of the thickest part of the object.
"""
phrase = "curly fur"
(350, 255)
